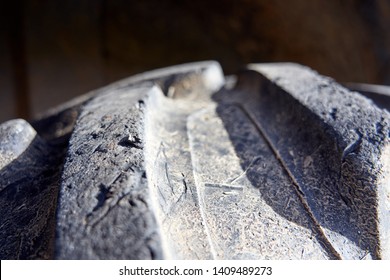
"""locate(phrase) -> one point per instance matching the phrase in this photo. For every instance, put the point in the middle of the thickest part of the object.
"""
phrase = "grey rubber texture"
(276, 162)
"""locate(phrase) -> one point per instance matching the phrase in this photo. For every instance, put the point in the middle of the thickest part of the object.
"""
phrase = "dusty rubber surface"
(276, 162)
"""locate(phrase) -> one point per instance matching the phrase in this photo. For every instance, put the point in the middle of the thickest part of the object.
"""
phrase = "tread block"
(332, 142)
(104, 204)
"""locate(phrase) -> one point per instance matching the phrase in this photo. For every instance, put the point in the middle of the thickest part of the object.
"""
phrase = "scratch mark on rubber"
(184, 193)
(95, 221)
(101, 197)
(245, 171)
(161, 150)
(226, 187)
(167, 176)
(353, 146)
(161, 194)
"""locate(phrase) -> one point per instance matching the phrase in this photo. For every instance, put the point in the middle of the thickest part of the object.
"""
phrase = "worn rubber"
(276, 162)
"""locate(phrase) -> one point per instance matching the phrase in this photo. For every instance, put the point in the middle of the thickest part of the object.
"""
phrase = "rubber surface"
(276, 162)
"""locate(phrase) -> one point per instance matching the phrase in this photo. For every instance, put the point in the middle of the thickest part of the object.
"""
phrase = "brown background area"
(53, 50)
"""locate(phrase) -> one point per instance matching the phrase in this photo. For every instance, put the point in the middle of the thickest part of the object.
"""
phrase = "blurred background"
(54, 50)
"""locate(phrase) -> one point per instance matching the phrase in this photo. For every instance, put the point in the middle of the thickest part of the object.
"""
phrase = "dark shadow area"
(380, 95)
(55, 50)
(57, 128)
(17, 46)
(28, 197)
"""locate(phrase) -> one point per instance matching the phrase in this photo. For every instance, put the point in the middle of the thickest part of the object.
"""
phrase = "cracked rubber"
(276, 162)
